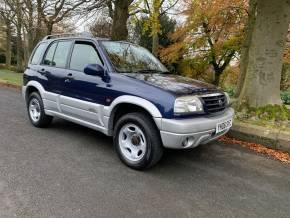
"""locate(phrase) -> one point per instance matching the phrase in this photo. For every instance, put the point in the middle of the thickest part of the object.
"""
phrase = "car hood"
(175, 84)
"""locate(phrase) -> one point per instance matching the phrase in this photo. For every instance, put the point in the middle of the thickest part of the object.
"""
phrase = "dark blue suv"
(122, 90)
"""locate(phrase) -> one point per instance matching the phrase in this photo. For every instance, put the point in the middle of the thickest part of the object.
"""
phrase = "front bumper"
(174, 132)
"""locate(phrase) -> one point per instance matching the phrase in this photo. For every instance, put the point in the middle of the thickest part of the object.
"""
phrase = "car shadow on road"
(98, 140)
(82, 132)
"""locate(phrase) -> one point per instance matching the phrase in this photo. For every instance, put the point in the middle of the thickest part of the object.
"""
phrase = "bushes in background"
(285, 96)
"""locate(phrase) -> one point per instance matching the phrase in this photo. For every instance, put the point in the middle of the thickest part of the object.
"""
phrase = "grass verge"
(11, 77)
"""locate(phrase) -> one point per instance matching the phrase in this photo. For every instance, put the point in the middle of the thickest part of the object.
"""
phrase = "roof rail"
(54, 36)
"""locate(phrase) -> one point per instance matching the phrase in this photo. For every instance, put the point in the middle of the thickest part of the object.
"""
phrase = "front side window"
(129, 58)
(37, 56)
(82, 55)
(61, 54)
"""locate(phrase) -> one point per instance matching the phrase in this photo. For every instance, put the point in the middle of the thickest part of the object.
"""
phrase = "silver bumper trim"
(202, 130)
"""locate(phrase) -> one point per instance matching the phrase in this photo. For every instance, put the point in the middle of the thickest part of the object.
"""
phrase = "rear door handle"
(68, 78)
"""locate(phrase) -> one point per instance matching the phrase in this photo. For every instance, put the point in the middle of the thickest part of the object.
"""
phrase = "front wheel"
(137, 141)
(36, 113)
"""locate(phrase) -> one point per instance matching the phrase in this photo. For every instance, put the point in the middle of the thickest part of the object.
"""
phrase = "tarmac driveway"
(71, 171)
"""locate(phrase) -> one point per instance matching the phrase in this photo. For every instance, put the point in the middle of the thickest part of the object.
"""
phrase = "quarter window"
(48, 60)
(37, 56)
(82, 55)
(61, 54)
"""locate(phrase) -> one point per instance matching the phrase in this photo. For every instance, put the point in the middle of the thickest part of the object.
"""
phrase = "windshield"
(129, 58)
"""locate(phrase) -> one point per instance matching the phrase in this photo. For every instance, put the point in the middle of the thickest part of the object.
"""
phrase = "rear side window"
(61, 54)
(48, 60)
(37, 56)
(82, 55)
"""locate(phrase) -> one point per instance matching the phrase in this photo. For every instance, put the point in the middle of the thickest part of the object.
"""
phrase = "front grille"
(214, 103)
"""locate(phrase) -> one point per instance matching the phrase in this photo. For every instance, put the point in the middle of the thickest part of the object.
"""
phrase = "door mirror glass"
(94, 70)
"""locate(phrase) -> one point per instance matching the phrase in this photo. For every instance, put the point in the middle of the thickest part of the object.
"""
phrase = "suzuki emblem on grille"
(220, 103)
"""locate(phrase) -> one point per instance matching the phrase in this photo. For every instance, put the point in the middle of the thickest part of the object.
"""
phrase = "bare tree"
(7, 16)
(101, 27)
(15, 7)
(54, 11)
(119, 12)
(120, 18)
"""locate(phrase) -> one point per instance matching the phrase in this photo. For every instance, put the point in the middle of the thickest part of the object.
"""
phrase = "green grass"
(10, 77)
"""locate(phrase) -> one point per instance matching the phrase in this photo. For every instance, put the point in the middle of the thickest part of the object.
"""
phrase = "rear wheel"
(137, 141)
(36, 113)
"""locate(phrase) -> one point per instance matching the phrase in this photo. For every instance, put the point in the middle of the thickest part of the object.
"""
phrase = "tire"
(36, 113)
(137, 141)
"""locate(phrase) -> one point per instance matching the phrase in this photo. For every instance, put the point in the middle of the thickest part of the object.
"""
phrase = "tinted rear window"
(37, 56)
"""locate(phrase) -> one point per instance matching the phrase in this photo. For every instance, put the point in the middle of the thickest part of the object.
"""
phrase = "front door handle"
(42, 71)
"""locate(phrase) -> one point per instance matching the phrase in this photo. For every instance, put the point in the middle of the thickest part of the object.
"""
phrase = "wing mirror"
(95, 70)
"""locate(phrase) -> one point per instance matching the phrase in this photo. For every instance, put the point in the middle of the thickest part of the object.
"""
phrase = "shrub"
(231, 91)
(285, 96)
(229, 77)
(196, 69)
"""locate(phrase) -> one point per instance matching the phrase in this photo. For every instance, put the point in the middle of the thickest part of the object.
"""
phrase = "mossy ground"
(270, 116)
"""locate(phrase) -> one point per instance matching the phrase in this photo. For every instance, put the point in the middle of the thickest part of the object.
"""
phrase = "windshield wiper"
(149, 71)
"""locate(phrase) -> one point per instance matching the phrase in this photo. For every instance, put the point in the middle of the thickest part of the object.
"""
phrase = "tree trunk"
(30, 42)
(19, 49)
(121, 15)
(19, 45)
(246, 44)
(155, 44)
(30, 32)
(40, 29)
(155, 26)
(49, 27)
(217, 77)
(262, 82)
(8, 43)
(25, 45)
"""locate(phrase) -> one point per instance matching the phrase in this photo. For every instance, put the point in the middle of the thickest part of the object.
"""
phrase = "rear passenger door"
(54, 64)
(83, 93)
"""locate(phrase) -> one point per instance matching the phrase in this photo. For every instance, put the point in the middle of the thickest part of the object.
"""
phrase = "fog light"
(188, 142)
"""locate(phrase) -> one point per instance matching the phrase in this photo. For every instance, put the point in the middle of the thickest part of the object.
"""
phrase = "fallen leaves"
(279, 155)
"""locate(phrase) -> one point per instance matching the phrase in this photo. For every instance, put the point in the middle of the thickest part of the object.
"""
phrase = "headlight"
(188, 104)
(227, 98)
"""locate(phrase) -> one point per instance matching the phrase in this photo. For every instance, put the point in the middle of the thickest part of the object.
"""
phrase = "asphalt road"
(71, 171)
